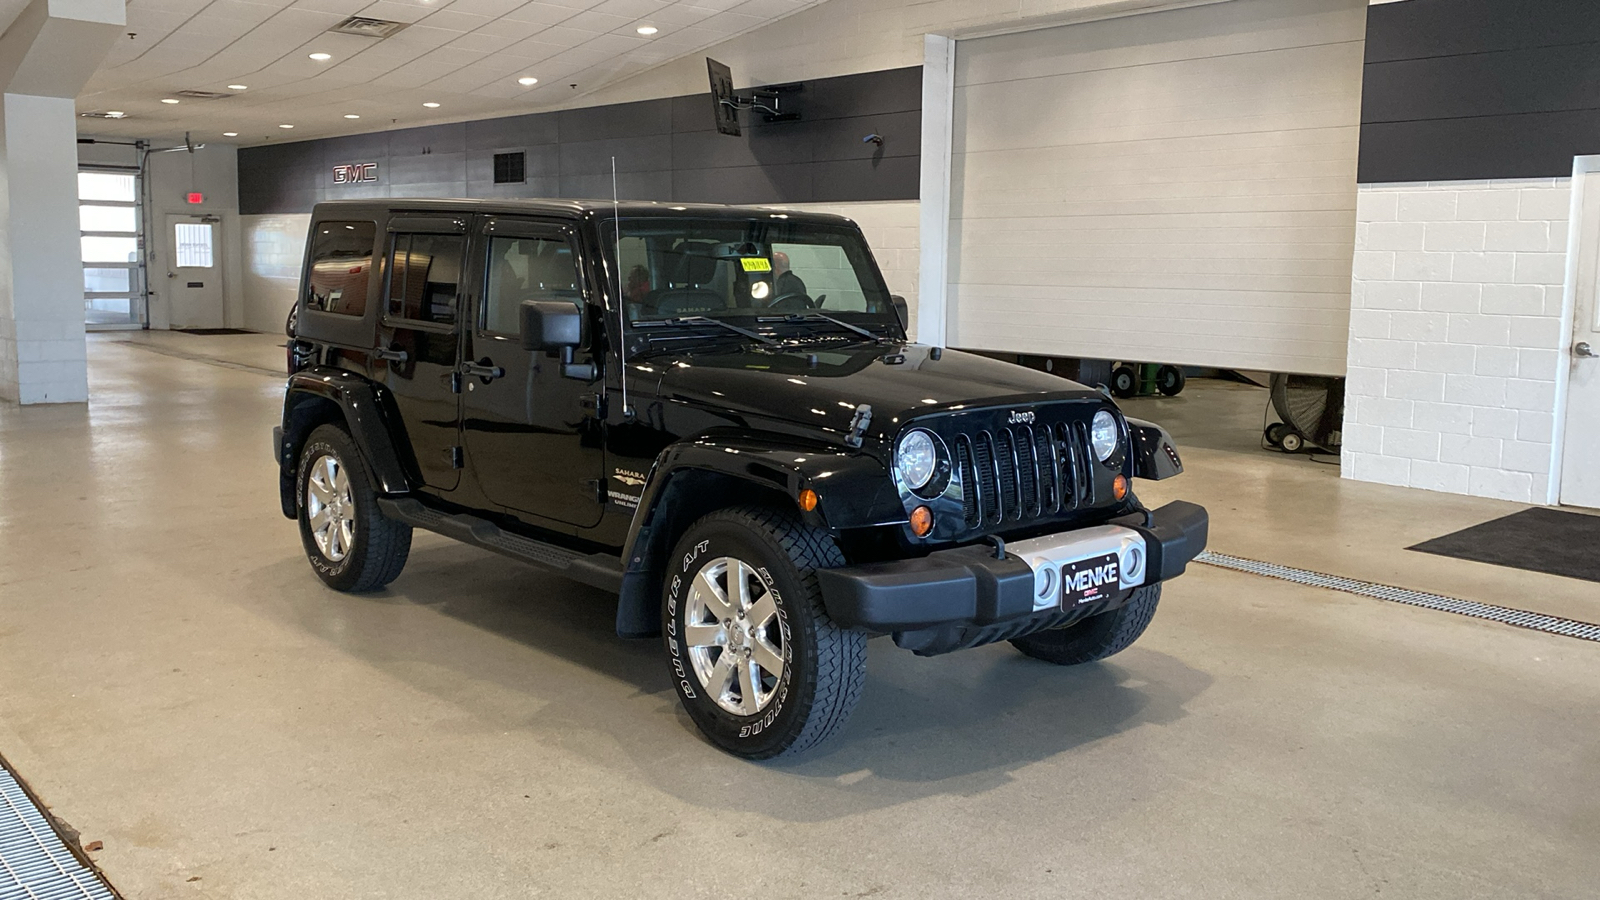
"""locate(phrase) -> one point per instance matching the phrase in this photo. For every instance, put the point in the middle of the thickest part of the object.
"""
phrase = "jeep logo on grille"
(1021, 417)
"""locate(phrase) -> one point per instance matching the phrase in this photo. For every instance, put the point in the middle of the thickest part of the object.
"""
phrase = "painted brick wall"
(1455, 330)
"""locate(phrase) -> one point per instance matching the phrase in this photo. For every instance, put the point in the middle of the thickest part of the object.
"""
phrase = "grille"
(1021, 472)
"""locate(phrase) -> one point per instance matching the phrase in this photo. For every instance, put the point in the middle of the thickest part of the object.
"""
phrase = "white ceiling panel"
(465, 55)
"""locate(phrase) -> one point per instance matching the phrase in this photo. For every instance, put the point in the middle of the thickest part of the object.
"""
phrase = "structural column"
(46, 57)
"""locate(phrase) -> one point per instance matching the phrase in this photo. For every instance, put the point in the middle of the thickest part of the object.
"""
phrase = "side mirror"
(901, 310)
(551, 325)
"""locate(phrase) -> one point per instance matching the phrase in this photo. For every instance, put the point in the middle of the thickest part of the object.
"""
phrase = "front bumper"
(964, 597)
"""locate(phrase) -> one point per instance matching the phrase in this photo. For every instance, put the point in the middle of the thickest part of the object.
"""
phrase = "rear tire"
(1096, 637)
(757, 663)
(350, 543)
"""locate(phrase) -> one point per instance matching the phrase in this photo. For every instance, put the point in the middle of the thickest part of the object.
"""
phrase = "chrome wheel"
(330, 507)
(733, 636)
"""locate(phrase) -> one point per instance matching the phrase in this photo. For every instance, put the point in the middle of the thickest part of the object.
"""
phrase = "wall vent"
(202, 95)
(365, 27)
(511, 167)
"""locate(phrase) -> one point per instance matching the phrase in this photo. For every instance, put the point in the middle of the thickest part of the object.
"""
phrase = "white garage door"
(1172, 187)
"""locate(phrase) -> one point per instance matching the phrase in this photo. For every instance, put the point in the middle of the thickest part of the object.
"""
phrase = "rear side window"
(341, 267)
(425, 277)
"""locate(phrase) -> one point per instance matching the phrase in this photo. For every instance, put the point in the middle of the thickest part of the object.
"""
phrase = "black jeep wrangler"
(714, 413)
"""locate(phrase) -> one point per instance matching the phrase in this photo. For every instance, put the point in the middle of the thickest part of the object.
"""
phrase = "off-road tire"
(1096, 637)
(380, 546)
(824, 665)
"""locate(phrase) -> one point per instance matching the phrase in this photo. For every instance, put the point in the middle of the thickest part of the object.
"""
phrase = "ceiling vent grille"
(103, 115)
(365, 27)
(202, 95)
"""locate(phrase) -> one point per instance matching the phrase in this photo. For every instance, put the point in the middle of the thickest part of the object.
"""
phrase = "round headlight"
(1103, 434)
(915, 459)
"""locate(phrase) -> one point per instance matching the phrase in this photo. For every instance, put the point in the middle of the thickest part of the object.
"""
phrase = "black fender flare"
(366, 414)
(1155, 454)
(853, 487)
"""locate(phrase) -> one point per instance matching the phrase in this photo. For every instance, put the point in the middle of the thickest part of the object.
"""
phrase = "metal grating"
(34, 862)
(1521, 618)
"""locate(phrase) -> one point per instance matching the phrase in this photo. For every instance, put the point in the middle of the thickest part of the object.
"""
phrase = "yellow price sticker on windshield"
(755, 264)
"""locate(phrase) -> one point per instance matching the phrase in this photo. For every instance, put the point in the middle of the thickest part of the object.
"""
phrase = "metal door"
(194, 272)
(532, 438)
(1580, 459)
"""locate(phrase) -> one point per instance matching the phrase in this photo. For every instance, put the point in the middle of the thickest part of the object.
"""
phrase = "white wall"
(1455, 336)
(1176, 186)
(274, 247)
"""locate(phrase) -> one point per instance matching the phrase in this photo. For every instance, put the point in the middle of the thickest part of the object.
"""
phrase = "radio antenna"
(622, 315)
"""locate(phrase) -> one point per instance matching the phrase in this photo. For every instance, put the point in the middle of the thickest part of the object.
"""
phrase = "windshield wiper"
(814, 316)
(708, 320)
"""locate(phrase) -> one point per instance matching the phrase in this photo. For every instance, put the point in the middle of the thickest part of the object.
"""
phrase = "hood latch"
(858, 425)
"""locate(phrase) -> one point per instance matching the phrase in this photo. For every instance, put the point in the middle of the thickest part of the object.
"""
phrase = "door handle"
(394, 356)
(1582, 348)
(486, 370)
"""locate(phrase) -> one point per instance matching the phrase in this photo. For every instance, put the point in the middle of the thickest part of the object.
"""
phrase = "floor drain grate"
(1521, 618)
(34, 862)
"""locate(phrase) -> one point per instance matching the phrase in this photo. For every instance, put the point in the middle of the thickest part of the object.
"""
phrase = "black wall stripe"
(1477, 89)
(666, 150)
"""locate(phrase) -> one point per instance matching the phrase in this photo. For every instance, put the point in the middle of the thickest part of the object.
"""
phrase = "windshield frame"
(760, 229)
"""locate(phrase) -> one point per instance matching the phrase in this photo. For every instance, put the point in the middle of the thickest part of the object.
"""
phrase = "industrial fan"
(1309, 410)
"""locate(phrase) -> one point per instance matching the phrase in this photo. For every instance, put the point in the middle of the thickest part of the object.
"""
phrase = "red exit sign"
(195, 198)
(355, 173)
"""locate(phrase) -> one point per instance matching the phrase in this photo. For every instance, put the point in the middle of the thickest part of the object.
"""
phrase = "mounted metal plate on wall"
(355, 173)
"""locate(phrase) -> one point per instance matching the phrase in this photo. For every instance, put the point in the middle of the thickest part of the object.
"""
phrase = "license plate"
(1088, 580)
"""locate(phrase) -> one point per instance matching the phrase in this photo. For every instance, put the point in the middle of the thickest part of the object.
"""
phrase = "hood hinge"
(858, 425)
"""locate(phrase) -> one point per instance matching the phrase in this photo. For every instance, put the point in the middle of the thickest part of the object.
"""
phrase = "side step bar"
(596, 570)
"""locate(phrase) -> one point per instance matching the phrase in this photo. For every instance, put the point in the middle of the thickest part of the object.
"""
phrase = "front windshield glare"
(733, 270)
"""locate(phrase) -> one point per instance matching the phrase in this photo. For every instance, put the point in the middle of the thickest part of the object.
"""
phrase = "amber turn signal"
(808, 500)
(921, 521)
(1119, 487)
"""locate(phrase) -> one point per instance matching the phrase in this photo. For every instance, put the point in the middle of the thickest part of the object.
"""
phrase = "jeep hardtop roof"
(576, 209)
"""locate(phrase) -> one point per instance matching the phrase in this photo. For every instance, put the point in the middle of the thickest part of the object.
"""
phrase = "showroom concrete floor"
(179, 686)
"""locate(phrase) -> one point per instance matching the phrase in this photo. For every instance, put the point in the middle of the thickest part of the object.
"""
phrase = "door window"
(341, 265)
(193, 243)
(425, 277)
(526, 268)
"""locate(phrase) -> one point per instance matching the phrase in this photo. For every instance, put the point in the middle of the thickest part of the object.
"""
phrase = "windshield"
(744, 272)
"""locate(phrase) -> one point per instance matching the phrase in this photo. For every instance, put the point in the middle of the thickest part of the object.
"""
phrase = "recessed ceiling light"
(647, 30)
(285, 126)
(527, 81)
(351, 116)
(238, 87)
(322, 57)
(168, 100)
(230, 134)
(431, 105)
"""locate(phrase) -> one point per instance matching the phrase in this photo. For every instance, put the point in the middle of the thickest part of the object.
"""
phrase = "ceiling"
(464, 55)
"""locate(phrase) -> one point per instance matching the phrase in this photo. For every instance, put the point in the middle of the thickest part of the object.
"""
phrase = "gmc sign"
(353, 173)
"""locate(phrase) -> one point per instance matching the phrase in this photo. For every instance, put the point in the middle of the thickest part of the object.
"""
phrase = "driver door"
(535, 447)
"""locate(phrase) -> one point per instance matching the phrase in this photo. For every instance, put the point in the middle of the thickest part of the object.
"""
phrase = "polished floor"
(176, 684)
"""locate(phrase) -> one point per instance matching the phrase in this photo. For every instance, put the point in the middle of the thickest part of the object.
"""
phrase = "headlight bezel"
(940, 473)
(1114, 456)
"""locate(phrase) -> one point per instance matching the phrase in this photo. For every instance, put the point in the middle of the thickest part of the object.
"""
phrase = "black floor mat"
(1539, 540)
(213, 331)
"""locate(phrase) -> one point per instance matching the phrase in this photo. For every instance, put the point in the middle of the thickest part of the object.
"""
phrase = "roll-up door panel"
(1176, 186)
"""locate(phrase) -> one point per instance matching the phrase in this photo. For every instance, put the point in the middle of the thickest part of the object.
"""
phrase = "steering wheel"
(794, 300)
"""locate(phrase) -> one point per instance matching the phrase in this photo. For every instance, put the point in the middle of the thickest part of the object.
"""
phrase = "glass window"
(766, 267)
(108, 218)
(526, 268)
(341, 266)
(107, 186)
(424, 277)
(193, 243)
(107, 281)
(110, 249)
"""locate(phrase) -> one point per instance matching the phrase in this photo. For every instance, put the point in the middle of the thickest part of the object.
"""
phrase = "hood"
(822, 388)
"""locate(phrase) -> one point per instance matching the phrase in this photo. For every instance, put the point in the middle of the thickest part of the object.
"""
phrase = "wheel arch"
(324, 395)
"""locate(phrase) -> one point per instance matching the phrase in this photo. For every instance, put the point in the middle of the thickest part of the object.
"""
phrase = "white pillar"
(46, 57)
(938, 116)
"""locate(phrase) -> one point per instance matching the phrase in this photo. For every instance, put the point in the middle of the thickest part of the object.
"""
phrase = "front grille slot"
(1021, 472)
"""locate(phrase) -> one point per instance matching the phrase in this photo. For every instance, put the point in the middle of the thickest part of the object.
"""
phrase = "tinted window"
(424, 277)
(526, 268)
(341, 266)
